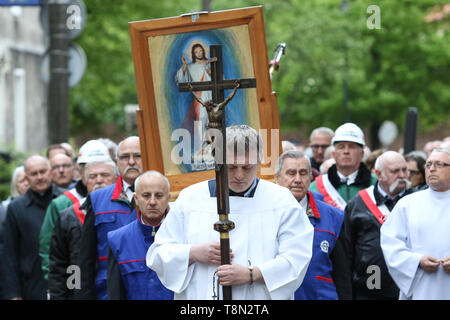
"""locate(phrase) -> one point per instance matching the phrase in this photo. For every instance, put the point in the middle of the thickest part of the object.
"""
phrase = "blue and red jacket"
(112, 210)
(129, 245)
(318, 283)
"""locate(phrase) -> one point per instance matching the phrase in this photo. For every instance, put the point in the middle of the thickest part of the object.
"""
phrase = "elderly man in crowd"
(128, 245)
(24, 278)
(65, 242)
(107, 209)
(359, 239)
(92, 150)
(293, 171)
(349, 175)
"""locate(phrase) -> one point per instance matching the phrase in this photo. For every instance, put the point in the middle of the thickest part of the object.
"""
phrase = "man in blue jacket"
(293, 171)
(107, 209)
(129, 278)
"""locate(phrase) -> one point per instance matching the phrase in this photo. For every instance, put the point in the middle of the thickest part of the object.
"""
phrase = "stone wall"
(23, 94)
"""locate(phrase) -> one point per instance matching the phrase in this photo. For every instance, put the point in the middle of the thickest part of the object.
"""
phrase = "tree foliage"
(405, 63)
(108, 83)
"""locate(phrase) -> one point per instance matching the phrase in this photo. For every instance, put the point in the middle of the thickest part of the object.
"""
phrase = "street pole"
(345, 7)
(206, 5)
(410, 130)
(58, 90)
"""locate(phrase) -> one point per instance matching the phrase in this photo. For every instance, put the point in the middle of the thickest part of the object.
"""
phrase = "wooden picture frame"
(157, 48)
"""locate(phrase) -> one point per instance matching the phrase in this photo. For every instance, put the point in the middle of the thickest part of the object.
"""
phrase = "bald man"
(23, 223)
(128, 245)
(364, 274)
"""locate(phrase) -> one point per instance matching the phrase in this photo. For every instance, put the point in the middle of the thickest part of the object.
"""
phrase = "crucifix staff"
(218, 85)
(215, 110)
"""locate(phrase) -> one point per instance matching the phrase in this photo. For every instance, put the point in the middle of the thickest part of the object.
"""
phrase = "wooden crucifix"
(218, 85)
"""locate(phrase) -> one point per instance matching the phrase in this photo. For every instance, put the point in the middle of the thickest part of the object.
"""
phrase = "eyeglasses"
(322, 146)
(436, 164)
(127, 156)
(62, 166)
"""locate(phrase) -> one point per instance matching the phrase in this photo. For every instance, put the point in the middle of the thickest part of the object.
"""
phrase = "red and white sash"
(81, 214)
(77, 201)
(379, 212)
(330, 194)
(73, 195)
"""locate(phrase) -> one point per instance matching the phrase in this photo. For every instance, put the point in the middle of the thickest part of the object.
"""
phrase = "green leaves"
(405, 63)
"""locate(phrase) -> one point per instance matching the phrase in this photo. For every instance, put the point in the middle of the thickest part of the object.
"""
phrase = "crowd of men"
(337, 222)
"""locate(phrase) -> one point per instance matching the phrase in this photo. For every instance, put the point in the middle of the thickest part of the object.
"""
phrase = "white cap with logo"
(93, 150)
(349, 132)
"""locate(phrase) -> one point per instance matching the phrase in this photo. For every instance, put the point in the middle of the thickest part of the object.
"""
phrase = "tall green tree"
(404, 63)
(108, 83)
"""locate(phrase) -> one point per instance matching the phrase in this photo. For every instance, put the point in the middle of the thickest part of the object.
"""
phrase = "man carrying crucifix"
(270, 246)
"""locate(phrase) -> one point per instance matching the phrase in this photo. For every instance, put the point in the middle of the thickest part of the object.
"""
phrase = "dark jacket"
(22, 263)
(64, 250)
(359, 243)
(64, 201)
(107, 209)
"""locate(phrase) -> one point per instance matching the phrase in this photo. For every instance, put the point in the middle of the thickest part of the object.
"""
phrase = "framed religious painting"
(173, 59)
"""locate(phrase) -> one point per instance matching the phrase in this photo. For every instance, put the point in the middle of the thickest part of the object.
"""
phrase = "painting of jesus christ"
(184, 57)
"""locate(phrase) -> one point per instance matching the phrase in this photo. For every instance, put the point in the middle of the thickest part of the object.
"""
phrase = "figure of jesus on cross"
(216, 115)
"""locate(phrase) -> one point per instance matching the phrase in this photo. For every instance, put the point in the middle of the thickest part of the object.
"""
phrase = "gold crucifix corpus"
(215, 110)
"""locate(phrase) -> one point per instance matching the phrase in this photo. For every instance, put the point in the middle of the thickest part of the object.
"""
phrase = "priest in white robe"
(271, 236)
(415, 239)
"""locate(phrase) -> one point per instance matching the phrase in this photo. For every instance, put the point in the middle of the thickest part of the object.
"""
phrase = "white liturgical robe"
(271, 231)
(419, 225)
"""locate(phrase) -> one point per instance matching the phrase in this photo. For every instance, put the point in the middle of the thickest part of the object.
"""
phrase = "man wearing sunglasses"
(416, 241)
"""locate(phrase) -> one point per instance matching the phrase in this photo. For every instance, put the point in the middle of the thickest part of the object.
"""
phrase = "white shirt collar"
(350, 178)
(382, 192)
(126, 187)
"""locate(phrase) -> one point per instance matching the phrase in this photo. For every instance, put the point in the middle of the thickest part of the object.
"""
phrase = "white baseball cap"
(93, 150)
(349, 132)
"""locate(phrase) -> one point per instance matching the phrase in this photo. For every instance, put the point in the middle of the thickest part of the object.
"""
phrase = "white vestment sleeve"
(402, 262)
(182, 77)
(284, 274)
(168, 256)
